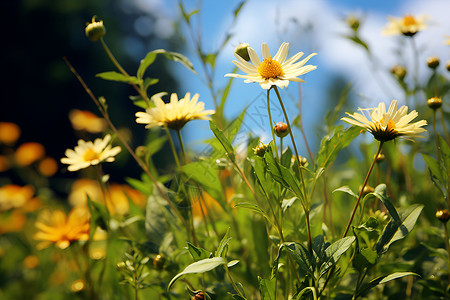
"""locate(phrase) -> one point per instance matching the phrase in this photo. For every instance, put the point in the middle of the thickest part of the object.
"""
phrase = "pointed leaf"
(198, 253)
(114, 76)
(200, 266)
(267, 288)
(383, 279)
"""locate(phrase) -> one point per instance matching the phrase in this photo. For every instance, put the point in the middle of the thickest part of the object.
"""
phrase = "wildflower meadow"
(257, 207)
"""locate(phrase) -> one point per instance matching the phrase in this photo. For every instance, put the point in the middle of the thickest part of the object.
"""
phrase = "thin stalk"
(299, 167)
(232, 281)
(122, 70)
(270, 124)
(436, 138)
(182, 146)
(362, 189)
(172, 146)
(444, 126)
(416, 64)
(105, 115)
(447, 245)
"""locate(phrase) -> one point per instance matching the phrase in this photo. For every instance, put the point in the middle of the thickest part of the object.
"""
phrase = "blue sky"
(275, 22)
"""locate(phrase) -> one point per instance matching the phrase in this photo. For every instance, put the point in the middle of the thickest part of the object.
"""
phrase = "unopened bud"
(120, 265)
(380, 157)
(443, 215)
(260, 150)
(302, 160)
(281, 129)
(95, 30)
(158, 261)
(434, 102)
(141, 151)
(198, 296)
(399, 71)
(242, 51)
(433, 62)
(353, 22)
(367, 189)
(447, 66)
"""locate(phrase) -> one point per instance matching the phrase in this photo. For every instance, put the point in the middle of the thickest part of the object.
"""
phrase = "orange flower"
(9, 132)
(14, 196)
(48, 167)
(28, 153)
(59, 229)
(208, 204)
(87, 121)
(118, 199)
(12, 221)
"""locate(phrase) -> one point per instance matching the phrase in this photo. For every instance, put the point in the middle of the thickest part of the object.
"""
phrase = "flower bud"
(447, 66)
(120, 265)
(433, 62)
(281, 129)
(353, 22)
(158, 261)
(241, 50)
(434, 102)
(399, 71)
(443, 215)
(367, 189)
(95, 30)
(380, 158)
(303, 161)
(260, 150)
(198, 296)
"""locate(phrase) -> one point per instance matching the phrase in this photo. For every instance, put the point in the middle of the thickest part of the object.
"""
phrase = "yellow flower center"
(270, 68)
(409, 20)
(90, 155)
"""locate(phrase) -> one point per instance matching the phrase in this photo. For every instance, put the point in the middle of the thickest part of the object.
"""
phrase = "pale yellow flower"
(174, 114)
(90, 153)
(55, 227)
(15, 196)
(387, 125)
(272, 70)
(408, 25)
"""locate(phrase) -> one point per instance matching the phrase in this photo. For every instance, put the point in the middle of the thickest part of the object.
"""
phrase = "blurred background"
(39, 91)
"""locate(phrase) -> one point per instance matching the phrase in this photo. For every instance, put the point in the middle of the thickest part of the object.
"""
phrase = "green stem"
(182, 146)
(444, 126)
(270, 124)
(447, 245)
(436, 138)
(362, 189)
(307, 204)
(141, 164)
(232, 281)
(416, 64)
(122, 70)
(172, 146)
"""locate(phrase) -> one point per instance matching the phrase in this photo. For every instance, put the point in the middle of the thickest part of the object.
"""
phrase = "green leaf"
(238, 9)
(364, 258)
(395, 231)
(211, 59)
(347, 190)
(335, 250)
(358, 41)
(222, 139)
(267, 288)
(255, 208)
(333, 143)
(383, 279)
(223, 245)
(282, 174)
(198, 253)
(187, 16)
(225, 93)
(200, 266)
(302, 257)
(205, 173)
(99, 216)
(157, 216)
(114, 76)
(380, 193)
(444, 149)
(435, 173)
(145, 63)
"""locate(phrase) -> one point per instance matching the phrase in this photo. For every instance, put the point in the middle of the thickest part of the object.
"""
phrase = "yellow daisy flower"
(272, 71)
(59, 229)
(408, 25)
(87, 121)
(90, 153)
(386, 126)
(175, 114)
